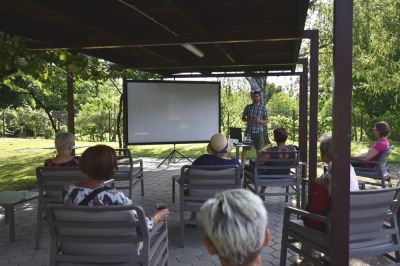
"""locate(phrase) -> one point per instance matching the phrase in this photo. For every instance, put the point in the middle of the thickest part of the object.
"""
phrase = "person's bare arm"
(366, 156)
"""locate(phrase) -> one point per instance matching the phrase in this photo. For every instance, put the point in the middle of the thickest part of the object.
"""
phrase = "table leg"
(9, 211)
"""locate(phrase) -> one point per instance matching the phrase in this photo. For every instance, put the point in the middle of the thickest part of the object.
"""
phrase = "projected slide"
(171, 112)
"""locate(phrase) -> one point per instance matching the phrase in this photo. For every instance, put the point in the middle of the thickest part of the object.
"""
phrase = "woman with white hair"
(64, 143)
(235, 224)
(325, 148)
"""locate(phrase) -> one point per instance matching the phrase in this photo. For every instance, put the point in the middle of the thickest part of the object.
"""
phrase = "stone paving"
(157, 189)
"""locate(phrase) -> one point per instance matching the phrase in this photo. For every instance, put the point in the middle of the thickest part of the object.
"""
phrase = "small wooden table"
(8, 199)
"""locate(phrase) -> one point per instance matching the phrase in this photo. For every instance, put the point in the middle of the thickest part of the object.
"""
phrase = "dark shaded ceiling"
(249, 36)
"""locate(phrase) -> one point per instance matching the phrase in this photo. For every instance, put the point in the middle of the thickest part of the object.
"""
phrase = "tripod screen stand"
(172, 157)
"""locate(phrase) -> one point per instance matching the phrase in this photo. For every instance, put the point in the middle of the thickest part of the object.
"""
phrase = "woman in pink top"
(381, 131)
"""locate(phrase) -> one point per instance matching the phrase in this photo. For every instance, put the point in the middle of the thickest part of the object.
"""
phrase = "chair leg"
(287, 194)
(173, 190)
(142, 185)
(182, 228)
(283, 249)
(130, 188)
(38, 227)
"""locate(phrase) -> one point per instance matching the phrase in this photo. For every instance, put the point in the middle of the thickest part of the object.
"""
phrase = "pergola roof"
(234, 36)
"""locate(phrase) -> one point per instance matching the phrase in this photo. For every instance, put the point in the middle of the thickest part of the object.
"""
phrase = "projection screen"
(161, 112)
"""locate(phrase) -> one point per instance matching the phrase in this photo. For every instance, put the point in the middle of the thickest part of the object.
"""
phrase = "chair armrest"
(177, 178)
(156, 228)
(110, 183)
(306, 214)
(140, 161)
(364, 162)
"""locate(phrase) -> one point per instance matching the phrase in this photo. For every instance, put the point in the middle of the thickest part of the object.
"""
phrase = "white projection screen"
(161, 112)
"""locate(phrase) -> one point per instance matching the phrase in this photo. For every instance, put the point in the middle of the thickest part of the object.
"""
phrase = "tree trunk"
(46, 110)
(70, 101)
(121, 99)
(354, 123)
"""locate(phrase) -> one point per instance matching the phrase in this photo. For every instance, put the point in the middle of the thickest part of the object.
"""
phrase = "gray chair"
(128, 170)
(114, 235)
(51, 181)
(271, 172)
(200, 183)
(378, 170)
(373, 228)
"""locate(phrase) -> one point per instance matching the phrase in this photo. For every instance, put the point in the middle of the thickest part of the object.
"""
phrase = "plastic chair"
(115, 235)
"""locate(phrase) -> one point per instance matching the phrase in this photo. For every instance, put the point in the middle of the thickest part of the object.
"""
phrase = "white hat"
(219, 144)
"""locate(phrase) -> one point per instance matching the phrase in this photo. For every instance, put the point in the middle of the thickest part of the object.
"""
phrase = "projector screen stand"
(172, 157)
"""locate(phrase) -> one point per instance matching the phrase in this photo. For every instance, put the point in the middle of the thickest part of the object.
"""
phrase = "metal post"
(303, 112)
(342, 71)
(313, 35)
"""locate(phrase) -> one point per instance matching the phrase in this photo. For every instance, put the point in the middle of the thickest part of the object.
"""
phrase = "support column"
(341, 135)
(313, 35)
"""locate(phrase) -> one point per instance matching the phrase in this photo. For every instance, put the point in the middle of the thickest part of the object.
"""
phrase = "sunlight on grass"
(20, 157)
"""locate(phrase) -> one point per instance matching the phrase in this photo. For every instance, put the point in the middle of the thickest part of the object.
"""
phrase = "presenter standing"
(255, 116)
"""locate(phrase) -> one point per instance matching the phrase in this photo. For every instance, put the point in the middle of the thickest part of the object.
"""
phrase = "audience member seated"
(99, 163)
(64, 143)
(381, 132)
(218, 150)
(325, 147)
(235, 224)
(280, 136)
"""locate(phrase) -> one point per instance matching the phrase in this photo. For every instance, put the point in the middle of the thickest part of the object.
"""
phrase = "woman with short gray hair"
(235, 223)
(325, 148)
(64, 143)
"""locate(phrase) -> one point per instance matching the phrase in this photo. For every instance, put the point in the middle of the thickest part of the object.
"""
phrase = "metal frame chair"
(379, 170)
(51, 181)
(261, 177)
(373, 228)
(200, 183)
(113, 235)
(126, 171)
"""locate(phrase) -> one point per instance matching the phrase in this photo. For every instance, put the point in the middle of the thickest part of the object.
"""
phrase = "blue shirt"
(256, 111)
(209, 159)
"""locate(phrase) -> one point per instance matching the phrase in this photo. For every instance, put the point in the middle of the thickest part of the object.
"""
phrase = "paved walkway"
(157, 189)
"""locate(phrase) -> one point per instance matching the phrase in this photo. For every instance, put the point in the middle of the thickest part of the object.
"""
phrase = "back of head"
(64, 141)
(325, 145)
(280, 135)
(98, 162)
(219, 145)
(383, 128)
(235, 221)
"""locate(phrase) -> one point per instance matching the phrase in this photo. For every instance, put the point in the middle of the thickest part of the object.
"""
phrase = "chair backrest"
(124, 165)
(98, 234)
(277, 164)
(204, 181)
(369, 209)
(51, 181)
(382, 162)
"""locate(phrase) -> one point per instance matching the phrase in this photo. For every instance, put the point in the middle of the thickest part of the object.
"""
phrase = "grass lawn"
(20, 157)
